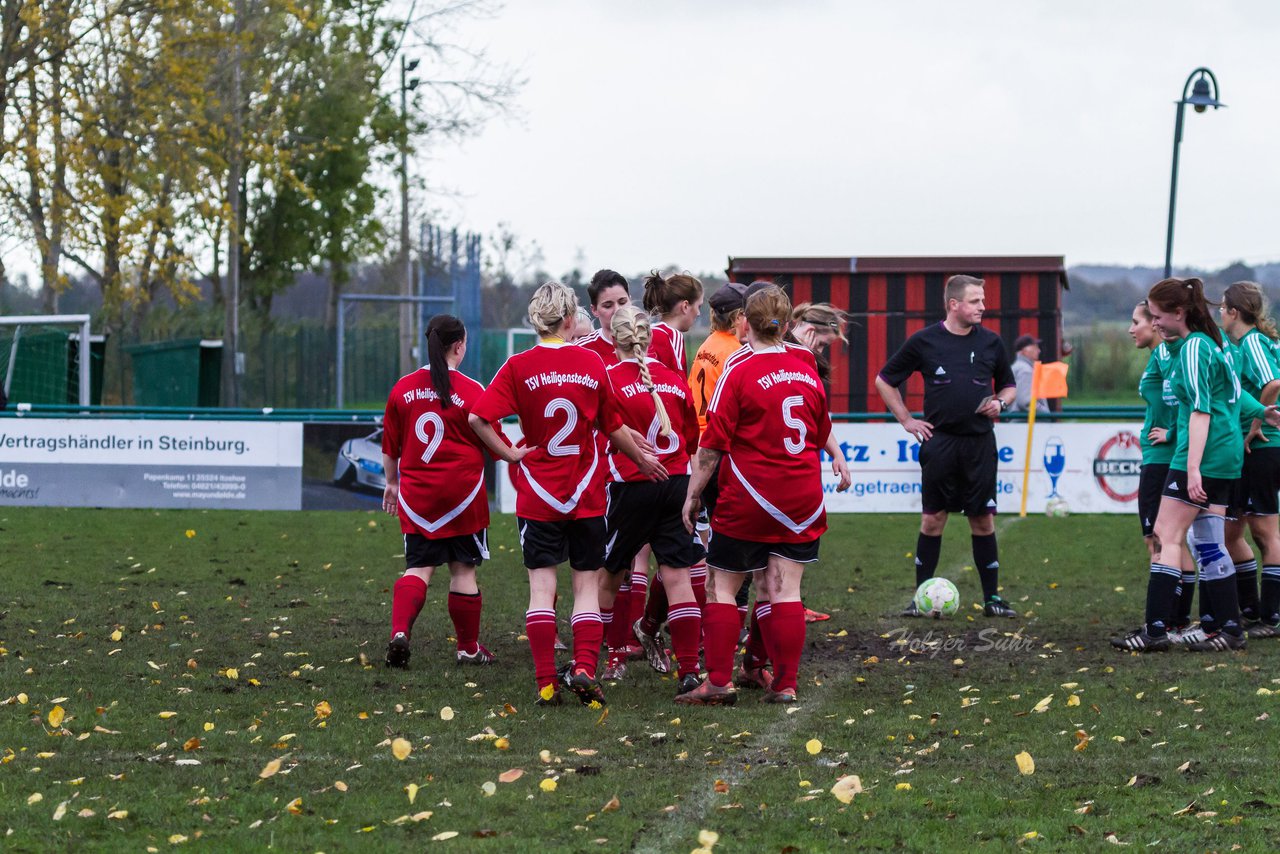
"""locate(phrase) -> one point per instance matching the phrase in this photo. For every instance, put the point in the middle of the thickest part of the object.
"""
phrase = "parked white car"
(359, 463)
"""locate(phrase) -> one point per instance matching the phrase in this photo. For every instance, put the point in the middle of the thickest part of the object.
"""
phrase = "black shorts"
(1259, 479)
(958, 474)
(1150, 487)
(648, 512)
(579, 541)
(465, 548)
(1217, 490)
(730, 554)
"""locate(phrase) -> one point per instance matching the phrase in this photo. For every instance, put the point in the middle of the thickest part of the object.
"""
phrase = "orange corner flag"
(1049, 380)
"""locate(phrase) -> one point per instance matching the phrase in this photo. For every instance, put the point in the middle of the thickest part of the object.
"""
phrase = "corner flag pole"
(1031, 426)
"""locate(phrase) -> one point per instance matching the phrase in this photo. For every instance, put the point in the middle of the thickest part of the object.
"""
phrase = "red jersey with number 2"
(640, 414)
(561, 394)
(769, 417)
(441, 458)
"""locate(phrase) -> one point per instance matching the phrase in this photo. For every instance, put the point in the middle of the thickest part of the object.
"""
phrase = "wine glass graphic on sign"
(1055, 462)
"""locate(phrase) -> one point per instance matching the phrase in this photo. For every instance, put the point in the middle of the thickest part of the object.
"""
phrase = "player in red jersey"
(656, 400)
(675, 300)
(561, 394)
(608, 292)
(768, 418)
(434, 465)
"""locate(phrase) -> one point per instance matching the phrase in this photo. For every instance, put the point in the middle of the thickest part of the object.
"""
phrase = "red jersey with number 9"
(769, 417)
(441, 458)
(639, 413)
(561, 394)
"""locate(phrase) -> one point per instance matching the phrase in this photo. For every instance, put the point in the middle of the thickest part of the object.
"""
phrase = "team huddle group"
(1210, 467)
(625, 456)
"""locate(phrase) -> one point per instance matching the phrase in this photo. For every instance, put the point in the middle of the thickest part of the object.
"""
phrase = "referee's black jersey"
(958, 370)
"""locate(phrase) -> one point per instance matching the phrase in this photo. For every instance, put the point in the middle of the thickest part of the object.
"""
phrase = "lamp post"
(1202, 96)
(407, 85)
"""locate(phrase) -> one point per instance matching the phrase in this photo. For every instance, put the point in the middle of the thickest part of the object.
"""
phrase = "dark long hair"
(1188, 295)
(443, 332)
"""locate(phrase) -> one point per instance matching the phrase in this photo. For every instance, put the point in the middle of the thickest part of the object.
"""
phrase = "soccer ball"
(938, 597)
(1057, 508)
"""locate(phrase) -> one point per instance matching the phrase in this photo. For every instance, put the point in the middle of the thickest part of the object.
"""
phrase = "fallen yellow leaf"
(813, 746)
(208, 726)
(191, 744)
(56, 714)
(22, 698)
(510, 776)
(488, 787)
(1026, 765)
(34, 798)
(903, 787)
(271, 768)
(118, 814)
(448, 834)
(117, 635)
(612, 805)
(233, 673)
(501, 744)
(412, 789)
(323, 709)
(340, 786)
(547, 785)
(708, 838)
(446, 714)
(177, 839)
(401, 748)
(1073, 700)
(546, 692)
(1043, 705)
(166, 715)
(190, 533)
(295, 806)
(846, 787)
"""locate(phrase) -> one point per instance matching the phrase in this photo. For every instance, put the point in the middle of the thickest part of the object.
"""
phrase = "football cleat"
(398, 651)
(997, 607)
(688, 682)
(653, 649)
(635, 652)
(1261, 630)
(753, 677)
(555, 698)
(586, 687)
(707, 694)
(786, 695)
(560, 645)
(615, 668)
(1187, 635)
(1139, 641)
(811, 616)
(480, 656)
(912, 610)
(1219, 642)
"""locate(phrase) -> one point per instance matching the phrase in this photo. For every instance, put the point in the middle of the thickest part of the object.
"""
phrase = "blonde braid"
(631, 332)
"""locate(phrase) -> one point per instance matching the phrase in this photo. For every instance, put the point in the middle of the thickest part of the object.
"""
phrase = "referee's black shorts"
(958, 474)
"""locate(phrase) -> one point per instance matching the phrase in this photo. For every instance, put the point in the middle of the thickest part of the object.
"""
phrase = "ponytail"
(1186, 294)
(443, 332)
(663, 293)
(631, 334)
(1247, 299)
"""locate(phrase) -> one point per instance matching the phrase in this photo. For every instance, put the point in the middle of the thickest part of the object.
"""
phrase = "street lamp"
(1201, 98)
(407, 85)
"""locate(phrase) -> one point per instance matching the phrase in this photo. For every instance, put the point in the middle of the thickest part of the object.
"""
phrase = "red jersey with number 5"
(441, 458)
(639, 413)
(667, 346)
(769, 417)
(561, 394)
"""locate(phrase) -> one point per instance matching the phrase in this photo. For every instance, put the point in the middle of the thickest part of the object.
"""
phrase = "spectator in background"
(1026, 351)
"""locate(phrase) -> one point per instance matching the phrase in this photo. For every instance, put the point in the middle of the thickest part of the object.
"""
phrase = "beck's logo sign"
(1118, 466)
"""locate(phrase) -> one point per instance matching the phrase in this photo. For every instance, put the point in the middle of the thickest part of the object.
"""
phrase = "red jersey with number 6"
(441, 458)
(769, 417)
(561, 394)
(639, 413)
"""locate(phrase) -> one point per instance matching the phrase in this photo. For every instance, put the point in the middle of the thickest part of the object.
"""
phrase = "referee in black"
(967, 384)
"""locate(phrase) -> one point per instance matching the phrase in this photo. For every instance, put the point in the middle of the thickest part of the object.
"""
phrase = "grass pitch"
(192, 654)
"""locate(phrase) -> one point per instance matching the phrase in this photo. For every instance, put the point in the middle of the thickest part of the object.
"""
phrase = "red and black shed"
(888, 299)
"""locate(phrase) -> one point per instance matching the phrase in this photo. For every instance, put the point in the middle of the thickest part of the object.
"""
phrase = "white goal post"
(21, 322)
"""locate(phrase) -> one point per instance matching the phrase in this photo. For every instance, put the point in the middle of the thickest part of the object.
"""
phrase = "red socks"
(617, 632)
(698, 580)
(685, 624)
(464, 610)
(407, 597)
(588, 632)
(786, 628)
(637, 601)
(758, 652)
(655, 609)
(540, 628)
(719, 640)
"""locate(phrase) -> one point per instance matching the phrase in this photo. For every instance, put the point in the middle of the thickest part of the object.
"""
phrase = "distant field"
(253, 641)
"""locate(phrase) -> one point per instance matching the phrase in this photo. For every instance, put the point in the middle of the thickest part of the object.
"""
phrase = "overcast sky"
(685, 132)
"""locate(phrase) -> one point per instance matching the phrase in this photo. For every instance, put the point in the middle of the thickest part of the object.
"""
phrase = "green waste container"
(182, 373)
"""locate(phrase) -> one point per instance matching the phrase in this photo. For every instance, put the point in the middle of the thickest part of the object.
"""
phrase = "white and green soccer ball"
(1057, 509)
(937, 597)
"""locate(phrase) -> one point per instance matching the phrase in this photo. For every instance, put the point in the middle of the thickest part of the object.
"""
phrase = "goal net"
(48, 358)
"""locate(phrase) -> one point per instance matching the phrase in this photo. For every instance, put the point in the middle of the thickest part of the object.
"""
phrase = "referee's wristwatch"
(1004, 406)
